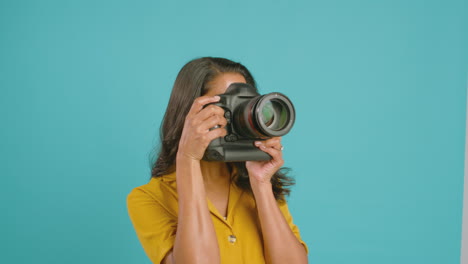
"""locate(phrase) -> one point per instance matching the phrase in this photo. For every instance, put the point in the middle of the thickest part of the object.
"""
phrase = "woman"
(196, 211)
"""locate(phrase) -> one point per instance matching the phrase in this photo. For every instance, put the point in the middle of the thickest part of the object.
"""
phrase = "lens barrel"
(269, 115)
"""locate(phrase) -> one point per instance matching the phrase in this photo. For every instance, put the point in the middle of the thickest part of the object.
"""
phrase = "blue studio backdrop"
(377, 149)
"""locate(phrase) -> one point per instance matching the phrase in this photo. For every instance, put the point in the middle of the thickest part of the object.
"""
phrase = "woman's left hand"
(262, 171)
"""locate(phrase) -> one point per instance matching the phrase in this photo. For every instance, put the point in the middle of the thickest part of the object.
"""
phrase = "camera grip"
(242, 150)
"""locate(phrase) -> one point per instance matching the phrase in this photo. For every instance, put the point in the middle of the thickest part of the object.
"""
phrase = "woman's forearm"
(195, 240)
(280, 243)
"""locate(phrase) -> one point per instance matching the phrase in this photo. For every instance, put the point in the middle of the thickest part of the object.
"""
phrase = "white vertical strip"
(464, 242)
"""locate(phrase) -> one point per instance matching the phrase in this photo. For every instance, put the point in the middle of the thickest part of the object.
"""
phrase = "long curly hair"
(190, 84)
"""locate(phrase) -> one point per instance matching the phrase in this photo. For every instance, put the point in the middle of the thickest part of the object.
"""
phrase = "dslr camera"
(250, 117)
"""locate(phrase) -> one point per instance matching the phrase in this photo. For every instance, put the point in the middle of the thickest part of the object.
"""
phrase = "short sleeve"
(154, 225)
(287, 215)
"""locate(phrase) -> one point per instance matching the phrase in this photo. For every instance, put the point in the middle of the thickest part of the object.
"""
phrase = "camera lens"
(269, 115)
(274, 115)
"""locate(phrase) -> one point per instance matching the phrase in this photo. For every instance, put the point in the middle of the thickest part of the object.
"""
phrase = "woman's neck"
(215, 171)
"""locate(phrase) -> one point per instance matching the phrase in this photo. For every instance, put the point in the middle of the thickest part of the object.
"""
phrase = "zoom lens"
(270, 115)
(274, 115)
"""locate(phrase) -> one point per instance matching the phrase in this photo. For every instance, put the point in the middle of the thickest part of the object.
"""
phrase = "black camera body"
(250, 117)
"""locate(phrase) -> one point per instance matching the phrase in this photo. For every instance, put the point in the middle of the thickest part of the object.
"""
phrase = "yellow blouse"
(153, 211)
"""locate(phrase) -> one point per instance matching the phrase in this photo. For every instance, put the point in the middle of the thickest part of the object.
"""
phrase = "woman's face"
(221, 82)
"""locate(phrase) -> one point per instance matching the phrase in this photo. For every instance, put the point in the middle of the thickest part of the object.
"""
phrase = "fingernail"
(216, 97)
(257, 143)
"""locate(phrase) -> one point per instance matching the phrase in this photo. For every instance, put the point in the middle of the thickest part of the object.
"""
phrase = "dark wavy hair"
(190, 84)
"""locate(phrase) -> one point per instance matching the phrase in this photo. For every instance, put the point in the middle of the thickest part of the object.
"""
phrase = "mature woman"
(196, 211)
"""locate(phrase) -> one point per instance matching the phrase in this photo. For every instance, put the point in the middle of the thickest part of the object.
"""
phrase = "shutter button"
(232, 239)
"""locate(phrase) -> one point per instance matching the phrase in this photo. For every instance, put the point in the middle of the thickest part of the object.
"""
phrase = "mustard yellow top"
(153, 211)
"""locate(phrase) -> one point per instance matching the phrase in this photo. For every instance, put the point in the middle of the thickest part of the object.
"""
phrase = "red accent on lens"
(250, 118)
(253, 125)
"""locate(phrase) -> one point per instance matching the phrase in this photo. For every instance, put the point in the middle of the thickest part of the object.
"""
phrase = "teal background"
(377, 149)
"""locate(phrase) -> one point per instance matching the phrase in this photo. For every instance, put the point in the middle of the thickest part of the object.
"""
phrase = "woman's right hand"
(196, 134)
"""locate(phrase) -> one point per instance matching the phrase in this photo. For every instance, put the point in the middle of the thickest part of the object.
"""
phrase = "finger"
(209, 111)
(274, 153)
(213, 121)
(273, 142)
(216, 133)
(201, 101)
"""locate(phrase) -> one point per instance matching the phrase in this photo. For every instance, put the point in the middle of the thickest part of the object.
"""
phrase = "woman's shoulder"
(158, 188)
(157, 197)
